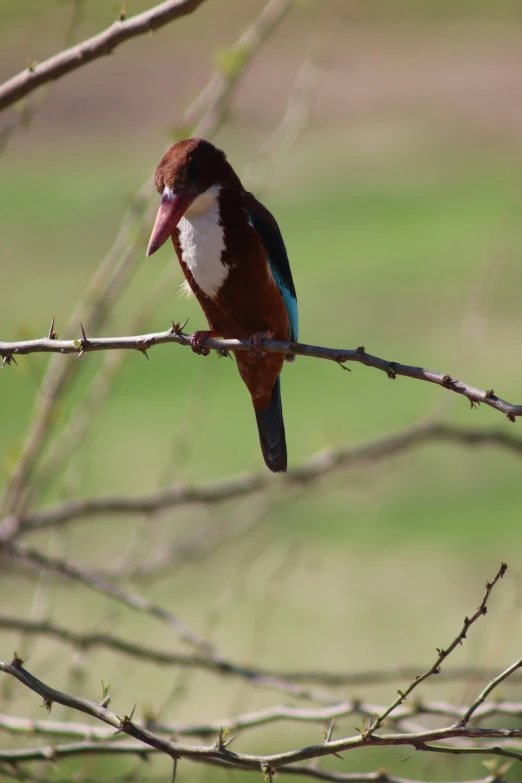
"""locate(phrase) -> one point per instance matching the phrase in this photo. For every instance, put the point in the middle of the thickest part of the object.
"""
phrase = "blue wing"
(267, 228)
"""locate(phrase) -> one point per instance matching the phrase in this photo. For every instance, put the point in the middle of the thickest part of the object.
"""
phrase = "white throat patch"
(202, 241)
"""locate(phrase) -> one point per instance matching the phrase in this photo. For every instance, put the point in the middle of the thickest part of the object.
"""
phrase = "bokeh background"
(400, 200)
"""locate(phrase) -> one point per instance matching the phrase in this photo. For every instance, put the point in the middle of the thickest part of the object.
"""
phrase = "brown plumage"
(225, 261)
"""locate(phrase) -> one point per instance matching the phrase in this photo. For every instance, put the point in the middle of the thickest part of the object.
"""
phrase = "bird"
(235, 262)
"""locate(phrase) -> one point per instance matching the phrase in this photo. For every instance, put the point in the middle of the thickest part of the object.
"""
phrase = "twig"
(99, 45)
(442, 655)
(314, 468)
(339, 355)
(273, 762)
(487, 690)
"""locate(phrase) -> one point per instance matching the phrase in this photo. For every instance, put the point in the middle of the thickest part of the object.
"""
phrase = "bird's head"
(184, 174)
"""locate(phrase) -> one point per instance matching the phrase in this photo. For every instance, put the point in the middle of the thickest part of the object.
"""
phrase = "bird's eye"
(193, 169)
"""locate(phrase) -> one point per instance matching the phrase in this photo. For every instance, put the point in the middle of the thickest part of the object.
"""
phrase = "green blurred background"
(400, 205)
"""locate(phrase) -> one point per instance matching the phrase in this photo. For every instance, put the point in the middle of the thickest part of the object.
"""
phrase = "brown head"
(185, 172)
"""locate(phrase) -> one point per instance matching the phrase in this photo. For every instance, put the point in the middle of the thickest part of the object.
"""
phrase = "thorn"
(8, 358)
(338, 755)
(474, 404)
(83, 343)
(177, 328)
(174, 770)
(329, 731)
(52, 334)
(47, 703)
(123, 13)
(144, 352)
(340, 361)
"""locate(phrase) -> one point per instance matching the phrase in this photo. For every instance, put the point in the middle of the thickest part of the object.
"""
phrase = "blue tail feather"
(272, 432)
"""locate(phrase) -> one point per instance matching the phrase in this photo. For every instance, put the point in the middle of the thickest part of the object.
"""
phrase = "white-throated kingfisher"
(235, 262)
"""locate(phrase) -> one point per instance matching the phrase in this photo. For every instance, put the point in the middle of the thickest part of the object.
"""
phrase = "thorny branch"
(425, 740)
(442, 655)
(9, 350)
(99, 45)
(380, 776)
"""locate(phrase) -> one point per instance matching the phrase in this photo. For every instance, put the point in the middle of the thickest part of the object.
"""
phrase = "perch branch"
(99, 45)
(9, 350)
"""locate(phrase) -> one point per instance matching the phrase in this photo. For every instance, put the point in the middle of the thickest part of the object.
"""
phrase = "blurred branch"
(208, 657)
(133, 601)
(99, 45)
(339, 355)
(249, 720)
(116, 268)
(314, 468)
(218, 752)
(256, 675)
(380, 776)
(210, 107)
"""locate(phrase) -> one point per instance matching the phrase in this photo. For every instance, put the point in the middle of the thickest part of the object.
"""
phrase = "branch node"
(489, 394)
(17, 662)
(361, 349)
(391, 370)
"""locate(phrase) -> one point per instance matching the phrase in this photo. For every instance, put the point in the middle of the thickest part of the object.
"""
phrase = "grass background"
(401, 209)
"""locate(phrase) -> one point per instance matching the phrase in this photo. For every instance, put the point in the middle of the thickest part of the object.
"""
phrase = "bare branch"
(273, 762)
(339, 355)
(99, 45)
(55, 753)
(255, 719)
(136, 602)
(287, 679)
(317, 466)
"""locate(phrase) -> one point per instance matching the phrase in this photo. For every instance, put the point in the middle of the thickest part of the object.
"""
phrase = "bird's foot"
(256, 340)
(197, 340)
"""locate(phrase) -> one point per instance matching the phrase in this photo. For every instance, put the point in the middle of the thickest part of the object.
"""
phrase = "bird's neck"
(204, 203)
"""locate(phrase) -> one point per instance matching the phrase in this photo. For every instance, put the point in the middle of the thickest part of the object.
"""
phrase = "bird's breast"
(202, 242)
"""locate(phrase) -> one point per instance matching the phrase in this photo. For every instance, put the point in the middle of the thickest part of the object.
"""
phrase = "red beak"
(173, 206)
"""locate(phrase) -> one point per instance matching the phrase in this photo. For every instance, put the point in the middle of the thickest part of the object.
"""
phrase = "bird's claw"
(197, 340)
(256, 340)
